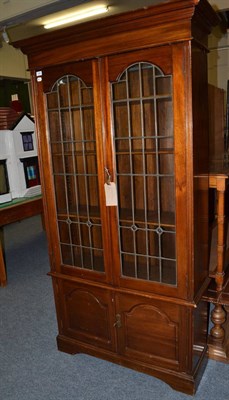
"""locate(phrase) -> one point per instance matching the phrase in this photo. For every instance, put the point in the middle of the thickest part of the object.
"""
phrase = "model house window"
(27, 140)
(31, 170)
(4, 183)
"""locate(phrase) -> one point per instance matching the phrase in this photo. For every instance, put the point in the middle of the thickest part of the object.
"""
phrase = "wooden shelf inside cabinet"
(167, 219)
(81, 214)
(152, 273)
(143, 99)
(146, 151)
(73, 108)
(73, 147)
(97, 265)
(75, 153)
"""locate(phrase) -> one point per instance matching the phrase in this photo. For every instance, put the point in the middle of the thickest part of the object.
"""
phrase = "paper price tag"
(111, 194)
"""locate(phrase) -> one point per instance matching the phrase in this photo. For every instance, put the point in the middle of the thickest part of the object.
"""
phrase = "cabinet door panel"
(143, 135)
(149, 331)
(81, 220)
(87, 314)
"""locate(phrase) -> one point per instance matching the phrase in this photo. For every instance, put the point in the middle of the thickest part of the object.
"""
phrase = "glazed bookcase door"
(71, 122)
(143, 135)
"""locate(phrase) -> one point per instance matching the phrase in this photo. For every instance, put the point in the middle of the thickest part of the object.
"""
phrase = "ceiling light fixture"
(88, 12)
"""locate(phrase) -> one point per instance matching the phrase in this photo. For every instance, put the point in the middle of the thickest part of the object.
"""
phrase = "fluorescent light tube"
(89, 12)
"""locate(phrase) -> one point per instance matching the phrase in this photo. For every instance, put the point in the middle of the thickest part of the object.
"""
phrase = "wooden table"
(220, 183)
(12, 212)
(218, 291)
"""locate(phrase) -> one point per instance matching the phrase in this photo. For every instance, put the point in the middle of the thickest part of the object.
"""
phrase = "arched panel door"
(143, 142)
(81, 219)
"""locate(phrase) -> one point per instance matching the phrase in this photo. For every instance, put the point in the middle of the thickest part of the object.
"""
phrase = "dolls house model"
(19, 171)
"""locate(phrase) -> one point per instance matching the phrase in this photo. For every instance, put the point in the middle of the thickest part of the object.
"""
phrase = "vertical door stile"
(111, 165)
(44, 159)
(183, 164)
(101, 146)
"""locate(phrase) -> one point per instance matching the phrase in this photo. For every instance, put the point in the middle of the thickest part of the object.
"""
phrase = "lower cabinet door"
(149, 330)
(140, 329)
(88, 314)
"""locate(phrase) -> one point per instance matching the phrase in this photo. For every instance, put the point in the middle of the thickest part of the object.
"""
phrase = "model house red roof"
(8, 117)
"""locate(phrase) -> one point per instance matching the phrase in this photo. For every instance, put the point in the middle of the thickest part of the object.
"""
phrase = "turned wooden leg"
(218, 338)
(218, 317)
(219, 277)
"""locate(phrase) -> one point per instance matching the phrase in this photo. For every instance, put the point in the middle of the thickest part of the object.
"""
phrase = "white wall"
(11, 8)
(218, 58)
(219, 4)
(13, 63)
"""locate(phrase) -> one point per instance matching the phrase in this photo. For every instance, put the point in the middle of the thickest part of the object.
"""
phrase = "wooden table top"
(19, 209)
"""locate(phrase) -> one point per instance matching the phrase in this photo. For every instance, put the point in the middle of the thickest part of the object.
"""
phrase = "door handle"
(118, 322)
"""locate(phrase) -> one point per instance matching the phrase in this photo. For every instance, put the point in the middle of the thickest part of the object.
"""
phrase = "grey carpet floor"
(31, 367)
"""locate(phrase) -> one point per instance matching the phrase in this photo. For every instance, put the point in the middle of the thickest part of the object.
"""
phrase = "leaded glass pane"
(144, 147)
(72, 140)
